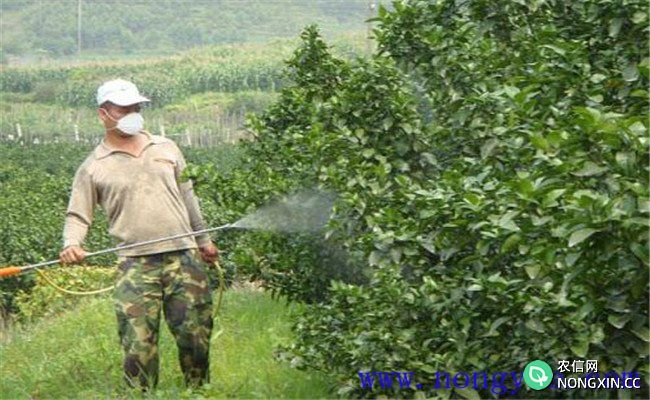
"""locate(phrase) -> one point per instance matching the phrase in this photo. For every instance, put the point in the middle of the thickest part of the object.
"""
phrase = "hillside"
(37, 30)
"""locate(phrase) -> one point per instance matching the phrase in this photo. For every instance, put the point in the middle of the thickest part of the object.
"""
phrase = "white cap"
(120, 92)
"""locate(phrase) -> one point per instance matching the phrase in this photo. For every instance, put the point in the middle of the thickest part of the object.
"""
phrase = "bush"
(495, 182)
(44, 300)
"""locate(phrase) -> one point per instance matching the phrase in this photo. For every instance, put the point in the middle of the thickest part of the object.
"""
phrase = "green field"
(200, 97)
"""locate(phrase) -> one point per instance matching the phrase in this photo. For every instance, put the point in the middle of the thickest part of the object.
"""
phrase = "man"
(135, 177)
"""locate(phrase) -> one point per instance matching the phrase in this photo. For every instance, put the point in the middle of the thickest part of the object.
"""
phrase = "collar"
(104, 150)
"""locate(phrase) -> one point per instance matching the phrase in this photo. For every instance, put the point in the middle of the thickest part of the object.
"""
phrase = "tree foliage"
(491, 161)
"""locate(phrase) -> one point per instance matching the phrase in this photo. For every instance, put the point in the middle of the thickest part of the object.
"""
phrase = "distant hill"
(37, 29)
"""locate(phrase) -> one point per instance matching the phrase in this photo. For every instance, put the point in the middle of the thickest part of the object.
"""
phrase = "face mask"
(130, 124)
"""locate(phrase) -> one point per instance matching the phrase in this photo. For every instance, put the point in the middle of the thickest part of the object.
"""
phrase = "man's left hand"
(209, 253)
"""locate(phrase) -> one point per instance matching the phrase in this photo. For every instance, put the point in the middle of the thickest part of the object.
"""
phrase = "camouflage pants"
(178, 282)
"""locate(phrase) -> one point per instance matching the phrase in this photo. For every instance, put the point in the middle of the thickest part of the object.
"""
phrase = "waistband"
(158, 257)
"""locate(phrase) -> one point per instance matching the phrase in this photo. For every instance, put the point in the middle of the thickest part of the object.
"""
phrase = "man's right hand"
(72, 255)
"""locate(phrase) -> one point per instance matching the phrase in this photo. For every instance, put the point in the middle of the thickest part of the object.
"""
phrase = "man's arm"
(79, 215)
(191, 201)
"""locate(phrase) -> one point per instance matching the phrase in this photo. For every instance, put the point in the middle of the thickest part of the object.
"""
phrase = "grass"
(77, 355)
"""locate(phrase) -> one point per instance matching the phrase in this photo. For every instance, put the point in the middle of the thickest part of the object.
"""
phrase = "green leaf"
(597, 334)
(427, 368)
(387, 123)
(429, 158)
(640, 93)
(468, 393)
(475, 288)
(472, 199)
(510, 243)
(374, 258)
(511, 91)
(556, 49)
(581, 348)
(396, 254)
(615, 26)
(551, 196)
(639, 16)
(506, 222)
(535, 325)
(525, 187)
(597, 78)
(571, 258)
(532, 270)
(631, 73)
(488, 147)
(539, 142)
(407, 128)
(580, 235)
(495, 325)
(617, 320)
(597, 98)
(640, 251)
(642, 333)
(368, 153)
(590, 169)
(626, 159)
(637, 128)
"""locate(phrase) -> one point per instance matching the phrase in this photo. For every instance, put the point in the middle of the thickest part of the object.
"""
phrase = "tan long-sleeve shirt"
(142, 196)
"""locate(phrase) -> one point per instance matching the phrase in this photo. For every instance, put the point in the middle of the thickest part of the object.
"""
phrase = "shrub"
(495, 182)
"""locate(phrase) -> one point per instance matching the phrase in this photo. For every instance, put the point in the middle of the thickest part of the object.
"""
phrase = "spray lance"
(10, 271)
(306, 211)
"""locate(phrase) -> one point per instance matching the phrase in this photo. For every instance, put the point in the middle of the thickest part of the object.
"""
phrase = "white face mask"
(130, 124)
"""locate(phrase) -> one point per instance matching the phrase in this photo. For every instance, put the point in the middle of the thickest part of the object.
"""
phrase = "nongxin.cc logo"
(538, 375)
